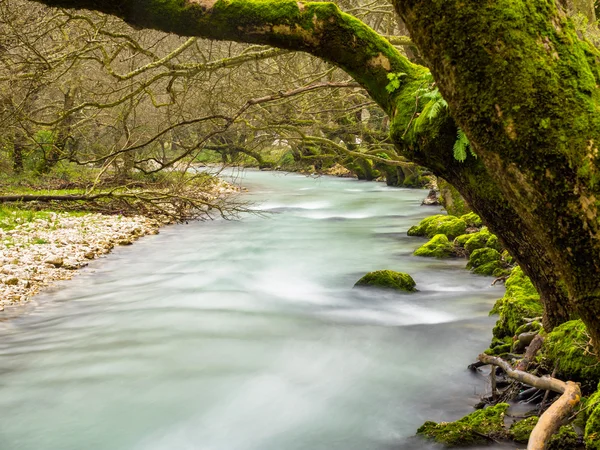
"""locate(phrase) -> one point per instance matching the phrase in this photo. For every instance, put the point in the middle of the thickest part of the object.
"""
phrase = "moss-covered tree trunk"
(518, 81)
(524, 89)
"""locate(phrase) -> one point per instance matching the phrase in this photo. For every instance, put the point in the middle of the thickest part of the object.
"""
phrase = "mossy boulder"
(469, 429)
(485, 261)
(566, 438)
(529, 327)
(438, 247)
(568, 348)
(494, 243)
(477, 240)
(500, 346)
(521, 430)
(520, 301)
(591, 435)
(461, 240)
(388, 279)
(472, 220)
(449, 226)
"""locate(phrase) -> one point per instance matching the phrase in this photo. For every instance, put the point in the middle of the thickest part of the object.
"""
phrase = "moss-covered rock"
(521, 430)
(591, 436)
(388, 279)
(438, 247)
(494, 243)
(477, 240)
(439, 224)
(500, 346)
(472, 220)
(568, 348)
(461, 240)
(469, 429)
(520, 301)
(425, 224)
(529, 327)
(485, 261)
(564, 439)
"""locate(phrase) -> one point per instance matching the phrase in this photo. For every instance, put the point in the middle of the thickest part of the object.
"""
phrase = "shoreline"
(36, 254)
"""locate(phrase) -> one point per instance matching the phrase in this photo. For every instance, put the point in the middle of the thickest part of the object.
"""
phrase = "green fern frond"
(461, 146)
(436, 108)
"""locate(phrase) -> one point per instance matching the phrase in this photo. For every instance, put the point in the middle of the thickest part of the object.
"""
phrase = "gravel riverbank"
(35, 254)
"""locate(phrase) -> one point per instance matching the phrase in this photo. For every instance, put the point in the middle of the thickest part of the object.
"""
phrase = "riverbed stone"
(388, 279)
(55, 261)
(69, 242)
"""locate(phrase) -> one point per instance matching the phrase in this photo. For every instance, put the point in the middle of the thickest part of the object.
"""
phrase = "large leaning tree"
(519, 82)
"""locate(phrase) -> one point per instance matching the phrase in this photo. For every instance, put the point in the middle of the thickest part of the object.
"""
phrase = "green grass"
(11, 216)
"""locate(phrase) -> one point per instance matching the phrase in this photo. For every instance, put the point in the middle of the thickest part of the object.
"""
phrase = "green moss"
(568, 349)
(591, 435)
(472, 220)
(519, 285)
(564, 439)
(494, 243)
(478, 240)
(529, 327)
(421, 228)
(519, 301)
(451, 199)
(461, 240)
(439, 224)
(388, 279)
(452, 228)
(520, 431)
(500, 346)
(469, 429)
(484, 261)
(507, 258)
(438, 247)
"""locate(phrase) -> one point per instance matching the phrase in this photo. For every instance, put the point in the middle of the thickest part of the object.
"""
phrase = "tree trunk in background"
(17, 152)
(63, 134)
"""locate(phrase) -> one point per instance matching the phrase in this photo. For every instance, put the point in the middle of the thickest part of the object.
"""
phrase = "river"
(247, 334)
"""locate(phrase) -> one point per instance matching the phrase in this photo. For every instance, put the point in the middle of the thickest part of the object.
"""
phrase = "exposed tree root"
(534, 346)
(551, 420)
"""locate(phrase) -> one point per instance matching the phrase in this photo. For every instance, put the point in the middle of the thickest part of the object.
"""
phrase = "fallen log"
(551, 420)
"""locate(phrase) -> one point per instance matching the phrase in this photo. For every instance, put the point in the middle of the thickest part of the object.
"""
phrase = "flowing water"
(247, 335)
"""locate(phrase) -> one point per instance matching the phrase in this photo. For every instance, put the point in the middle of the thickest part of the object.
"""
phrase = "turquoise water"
(247, 335)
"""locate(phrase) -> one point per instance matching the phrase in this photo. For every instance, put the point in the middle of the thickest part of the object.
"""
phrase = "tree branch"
(551, 420)
(320, 29)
